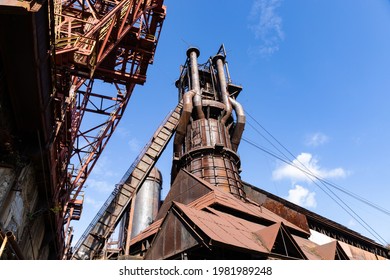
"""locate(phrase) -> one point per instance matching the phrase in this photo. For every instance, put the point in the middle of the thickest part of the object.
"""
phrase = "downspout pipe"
(219, 61)
(192, 54)
(240, 123)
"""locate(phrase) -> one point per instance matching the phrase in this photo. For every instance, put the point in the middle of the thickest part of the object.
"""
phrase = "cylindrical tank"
(147, 202)
(208, 155)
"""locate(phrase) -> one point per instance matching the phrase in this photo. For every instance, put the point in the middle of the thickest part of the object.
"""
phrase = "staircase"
(104, 223)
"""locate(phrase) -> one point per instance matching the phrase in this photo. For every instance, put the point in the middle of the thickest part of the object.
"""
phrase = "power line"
(336, 186)
(310, 175)
(326, 184)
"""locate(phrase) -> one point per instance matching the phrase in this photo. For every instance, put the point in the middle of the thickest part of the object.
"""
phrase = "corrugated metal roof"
(308, 247)
(355, 253)
(150, 230)
(217, 197)
(228, 222)
(224, 228)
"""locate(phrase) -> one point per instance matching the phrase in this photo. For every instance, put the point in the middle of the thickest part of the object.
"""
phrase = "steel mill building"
(48, 78)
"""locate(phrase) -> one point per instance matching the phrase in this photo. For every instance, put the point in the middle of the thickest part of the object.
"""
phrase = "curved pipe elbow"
(193, 54)
(240, 124)
(184, 120)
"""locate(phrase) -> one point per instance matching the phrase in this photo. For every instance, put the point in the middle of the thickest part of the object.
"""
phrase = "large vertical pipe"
(192, 54)
(219, 61)
(184, 120)
(147, 202)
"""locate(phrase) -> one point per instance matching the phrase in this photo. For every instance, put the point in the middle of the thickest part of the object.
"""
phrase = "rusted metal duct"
(3, 242)
(184, 120)
(15, 246)
(192, 54)
(219, 61)
(240, 123)
(9, 237)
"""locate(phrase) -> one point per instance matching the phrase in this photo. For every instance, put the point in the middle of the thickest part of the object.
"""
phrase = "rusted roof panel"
(308, 247)
(278, 207)
(328, 250)
(355, 253)
(185, 189)
(268, 235)
(173, 238)
(217, 197)
(150, 230)
(224, 228)
(228, 222)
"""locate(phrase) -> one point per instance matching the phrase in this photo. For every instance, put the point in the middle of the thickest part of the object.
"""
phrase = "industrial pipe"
(219, 61)
(192, 54)
(10, 238)
(147, 202)
(240, 123)
(4, 240)
(184, 120)
(14, 245)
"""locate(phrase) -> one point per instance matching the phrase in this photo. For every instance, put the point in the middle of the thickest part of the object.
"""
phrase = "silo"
(147, 202)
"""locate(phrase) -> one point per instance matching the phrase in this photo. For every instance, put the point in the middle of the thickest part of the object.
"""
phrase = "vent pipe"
(240, 123)
(192, 54)
(184, 120)
(219, 61)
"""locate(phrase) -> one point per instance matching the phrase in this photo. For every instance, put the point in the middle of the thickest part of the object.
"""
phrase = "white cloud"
(100, 185)
(302, 196)
(352, 223)
(122, 132)
(266, 25)
(306, 162)
(316, 139)
(134, 145)
(102, 167)
(92, 203)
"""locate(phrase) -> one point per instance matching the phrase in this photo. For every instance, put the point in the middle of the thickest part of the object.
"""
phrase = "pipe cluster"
(192, 101)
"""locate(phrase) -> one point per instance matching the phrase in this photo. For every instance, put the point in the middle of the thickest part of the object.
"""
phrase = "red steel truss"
(95, 42)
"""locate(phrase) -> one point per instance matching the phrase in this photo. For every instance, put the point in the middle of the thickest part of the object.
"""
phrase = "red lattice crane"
(94, 41)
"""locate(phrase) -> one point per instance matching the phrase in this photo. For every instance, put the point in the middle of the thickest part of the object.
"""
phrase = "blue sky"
(315, 75)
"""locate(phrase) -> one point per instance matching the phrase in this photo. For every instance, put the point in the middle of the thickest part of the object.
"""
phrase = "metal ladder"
(108, 217)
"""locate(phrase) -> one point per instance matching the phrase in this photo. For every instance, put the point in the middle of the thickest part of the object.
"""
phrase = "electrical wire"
(315, 178)
(339, 201)
(338, 187)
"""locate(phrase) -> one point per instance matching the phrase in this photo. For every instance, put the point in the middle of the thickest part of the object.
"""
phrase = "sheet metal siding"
(208, 155)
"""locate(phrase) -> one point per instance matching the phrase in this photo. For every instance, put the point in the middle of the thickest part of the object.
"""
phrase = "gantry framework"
(94, 42)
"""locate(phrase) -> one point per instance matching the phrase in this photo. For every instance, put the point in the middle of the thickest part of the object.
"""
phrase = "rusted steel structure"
(65, 50)
(209, 213)
(68, 49)
(207, 137)
(97, 41)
